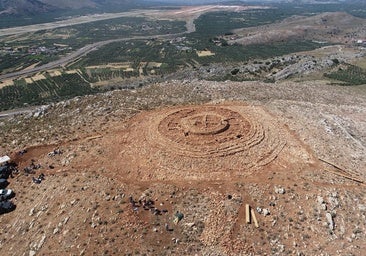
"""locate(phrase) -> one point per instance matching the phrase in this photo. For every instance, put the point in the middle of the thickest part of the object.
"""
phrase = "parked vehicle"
(3, 183)
(6, 206)
(6, 194)
(5, 172)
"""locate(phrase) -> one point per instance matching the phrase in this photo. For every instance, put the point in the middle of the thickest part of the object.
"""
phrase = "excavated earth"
(119, 166)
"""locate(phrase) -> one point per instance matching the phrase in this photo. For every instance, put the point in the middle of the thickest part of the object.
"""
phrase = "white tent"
(4, 159)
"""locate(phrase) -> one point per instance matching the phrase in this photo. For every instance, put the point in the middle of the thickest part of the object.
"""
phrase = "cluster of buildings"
(361, 42)
(33, 50)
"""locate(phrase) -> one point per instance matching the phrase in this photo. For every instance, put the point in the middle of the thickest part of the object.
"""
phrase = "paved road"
(67, 59)
(69, 22)
(77, 54)
(13, 112)
(189, 14)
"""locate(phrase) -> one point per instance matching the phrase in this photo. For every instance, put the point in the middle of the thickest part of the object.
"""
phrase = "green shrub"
(349, 74)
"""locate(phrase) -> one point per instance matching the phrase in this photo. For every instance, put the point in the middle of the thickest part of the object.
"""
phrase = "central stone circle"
(206, 131)
(203, 141)
(204, 124)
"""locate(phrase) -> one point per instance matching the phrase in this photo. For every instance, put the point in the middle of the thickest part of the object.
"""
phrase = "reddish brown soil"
(205, 161)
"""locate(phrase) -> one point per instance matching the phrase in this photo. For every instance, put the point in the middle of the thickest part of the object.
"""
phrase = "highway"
(187, 14)
(77, 54)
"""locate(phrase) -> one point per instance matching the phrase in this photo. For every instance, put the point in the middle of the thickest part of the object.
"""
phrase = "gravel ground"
(95, 200)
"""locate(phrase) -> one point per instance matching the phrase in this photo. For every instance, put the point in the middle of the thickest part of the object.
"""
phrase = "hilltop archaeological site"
(262, 152)
(171, 169)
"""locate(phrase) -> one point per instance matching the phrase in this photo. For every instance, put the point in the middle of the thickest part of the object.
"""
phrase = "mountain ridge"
(33, 7)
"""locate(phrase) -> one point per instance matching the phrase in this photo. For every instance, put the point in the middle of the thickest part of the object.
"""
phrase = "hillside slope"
(23, 7)
(118, 166)
(334, 27)
(33, 7)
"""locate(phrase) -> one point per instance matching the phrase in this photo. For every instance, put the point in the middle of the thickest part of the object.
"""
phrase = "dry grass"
(361, 62)
(38, 77)
(28, 80)
(6, 83)
(205, 53)
(54, 73)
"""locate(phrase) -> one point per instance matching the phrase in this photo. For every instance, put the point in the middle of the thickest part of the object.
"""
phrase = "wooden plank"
(94, 137)
(346, 176)
(247, 213)
(335, 166)
(254, 218)
(341, 174)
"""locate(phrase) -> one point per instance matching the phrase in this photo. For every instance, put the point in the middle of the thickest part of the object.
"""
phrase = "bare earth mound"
(116, 176)
(188, 143)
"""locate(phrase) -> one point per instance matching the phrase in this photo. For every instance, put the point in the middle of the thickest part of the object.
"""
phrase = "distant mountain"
(23, 7)
(34, 7)
(64, 4)
(16, 8)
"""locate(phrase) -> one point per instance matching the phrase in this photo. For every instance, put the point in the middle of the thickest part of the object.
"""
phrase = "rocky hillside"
(22, 7)
(121, 178)
(332, 27)
(32, 7)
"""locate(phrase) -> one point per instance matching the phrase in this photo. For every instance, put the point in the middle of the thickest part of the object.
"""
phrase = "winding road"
(188, 14)
(92, 47)
(79, 53)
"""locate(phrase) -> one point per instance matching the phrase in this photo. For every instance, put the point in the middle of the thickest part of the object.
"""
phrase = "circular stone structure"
(204, 124)
(191, 141)
(207, 131)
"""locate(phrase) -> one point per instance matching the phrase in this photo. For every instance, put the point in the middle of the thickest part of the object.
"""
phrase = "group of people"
(32, 167)
(146, 204)
(39, 179)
